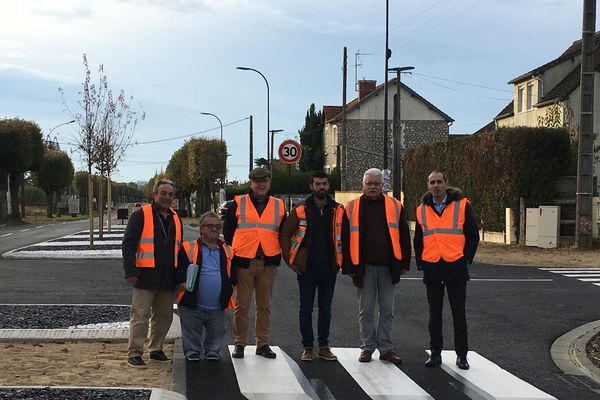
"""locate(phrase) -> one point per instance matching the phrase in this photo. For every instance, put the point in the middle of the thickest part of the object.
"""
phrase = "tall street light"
(273, 132)
(397, 135)
(268, 122)
(221, 124)
(51, 130)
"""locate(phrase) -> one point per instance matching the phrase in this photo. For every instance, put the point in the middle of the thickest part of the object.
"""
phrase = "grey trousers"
(202, 330)
(376, 330)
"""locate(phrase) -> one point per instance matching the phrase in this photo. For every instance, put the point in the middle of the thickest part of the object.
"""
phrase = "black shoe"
(462, 363)
(238, 351)
(136, 362)
(159, 356)
(390, 356)
(435, 360)
(265, 351)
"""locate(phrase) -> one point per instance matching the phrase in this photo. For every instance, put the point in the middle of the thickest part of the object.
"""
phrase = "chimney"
(365, 87)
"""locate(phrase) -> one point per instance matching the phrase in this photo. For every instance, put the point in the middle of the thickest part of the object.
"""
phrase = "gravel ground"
(73, 394)
(593, 350)
(59, 316)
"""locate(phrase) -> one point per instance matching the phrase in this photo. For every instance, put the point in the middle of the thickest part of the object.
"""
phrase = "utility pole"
(251, 161)
(385, 87)
(398, 138)
(583, 221)
(342, 138)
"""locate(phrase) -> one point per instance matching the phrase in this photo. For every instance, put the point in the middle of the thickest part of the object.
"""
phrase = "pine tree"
(311, 139)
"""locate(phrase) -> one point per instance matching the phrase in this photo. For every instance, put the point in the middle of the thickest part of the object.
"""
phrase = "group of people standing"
(368, 239)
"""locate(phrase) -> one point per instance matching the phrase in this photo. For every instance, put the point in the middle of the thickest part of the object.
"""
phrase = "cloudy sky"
(177, 58)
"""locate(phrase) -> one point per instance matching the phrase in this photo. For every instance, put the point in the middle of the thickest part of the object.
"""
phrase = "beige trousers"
(153, 308)
(258, 279)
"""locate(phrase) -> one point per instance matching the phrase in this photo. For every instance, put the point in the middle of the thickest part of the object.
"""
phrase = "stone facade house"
(549, 95)
(421, 122)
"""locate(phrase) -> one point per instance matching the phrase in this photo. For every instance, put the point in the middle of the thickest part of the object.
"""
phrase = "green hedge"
(493, 169)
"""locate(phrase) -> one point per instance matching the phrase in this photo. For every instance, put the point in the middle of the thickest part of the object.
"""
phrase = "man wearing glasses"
(207, 291)
(376, 251)
(251, 226)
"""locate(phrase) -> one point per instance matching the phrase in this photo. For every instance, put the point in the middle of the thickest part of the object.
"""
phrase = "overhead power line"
(460, 91)
(463, 83)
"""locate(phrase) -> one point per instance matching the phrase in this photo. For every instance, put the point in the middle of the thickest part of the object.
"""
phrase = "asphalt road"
(514, 313)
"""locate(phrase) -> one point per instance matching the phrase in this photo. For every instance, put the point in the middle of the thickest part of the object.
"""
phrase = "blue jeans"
(377, 288)
(202, 330)
(321, 279)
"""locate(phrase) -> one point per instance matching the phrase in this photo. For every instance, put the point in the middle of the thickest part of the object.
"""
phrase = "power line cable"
(463, 83)
(460, 91)
(190, 134)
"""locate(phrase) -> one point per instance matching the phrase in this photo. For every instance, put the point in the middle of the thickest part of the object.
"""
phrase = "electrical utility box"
(531, 226)
(548, 227)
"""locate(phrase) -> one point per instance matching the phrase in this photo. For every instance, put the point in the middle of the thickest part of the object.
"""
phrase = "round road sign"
(290, 151)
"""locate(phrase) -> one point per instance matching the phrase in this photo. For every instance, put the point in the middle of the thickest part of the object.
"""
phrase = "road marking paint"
(379, 379)
(6, 234)
(490, 381)
(561, 270)
(597, 284)
(262, 378)
(583, 276)
(589, 279)
(493, 280)
(575, 271)
(25, 230)
(38, 227)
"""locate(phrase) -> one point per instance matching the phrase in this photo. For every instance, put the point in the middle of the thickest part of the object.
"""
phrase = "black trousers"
(457, 295)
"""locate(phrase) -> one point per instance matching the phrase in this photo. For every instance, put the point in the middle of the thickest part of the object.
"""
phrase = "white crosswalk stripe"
(489, 381)
(591, 275)
(281, 378)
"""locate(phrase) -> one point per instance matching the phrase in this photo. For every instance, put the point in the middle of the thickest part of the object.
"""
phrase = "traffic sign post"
(290, 152)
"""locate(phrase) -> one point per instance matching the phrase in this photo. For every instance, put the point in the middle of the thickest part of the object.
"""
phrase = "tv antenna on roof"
(356, 65)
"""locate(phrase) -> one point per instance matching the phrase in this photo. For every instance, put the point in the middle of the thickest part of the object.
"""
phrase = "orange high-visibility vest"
(253, 230)
(443, 235)
(393, 209)
(192, 249)
(144, 253)
(296, 241)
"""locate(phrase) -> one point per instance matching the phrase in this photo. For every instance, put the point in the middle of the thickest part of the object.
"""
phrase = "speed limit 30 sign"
(290, 151)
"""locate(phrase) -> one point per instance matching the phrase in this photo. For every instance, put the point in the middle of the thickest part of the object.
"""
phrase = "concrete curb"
(179, 370)
(155, 393)
(568, 351)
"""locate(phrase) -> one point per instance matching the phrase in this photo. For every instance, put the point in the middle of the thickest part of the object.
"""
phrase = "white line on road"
(6, 234)
(494, 280)
(589, 279)
(38, 227)
(25, 230)
(582, 275)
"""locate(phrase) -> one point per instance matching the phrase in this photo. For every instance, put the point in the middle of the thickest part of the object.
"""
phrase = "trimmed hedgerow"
(493, 169)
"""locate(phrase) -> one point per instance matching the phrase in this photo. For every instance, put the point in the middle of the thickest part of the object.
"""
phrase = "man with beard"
(311, 246)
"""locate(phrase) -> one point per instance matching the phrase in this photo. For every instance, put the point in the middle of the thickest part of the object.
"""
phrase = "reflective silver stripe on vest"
(295, 244)
(227, 250)
(244, 224)
(353, 228)
(397, 211)
(447, 231)
(192, 248)
(147, 241)
(144, 255)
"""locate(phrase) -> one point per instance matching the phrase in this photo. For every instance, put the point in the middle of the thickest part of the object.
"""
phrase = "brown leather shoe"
(390, 356)
(326, 354)
(365, 356)
(307, 355)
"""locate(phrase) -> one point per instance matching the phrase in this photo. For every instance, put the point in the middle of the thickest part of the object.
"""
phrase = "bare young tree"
(91, 107)
(118, 128)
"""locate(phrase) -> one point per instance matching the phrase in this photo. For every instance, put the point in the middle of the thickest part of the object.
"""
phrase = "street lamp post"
(221, 124)
(268, 116)
(48, 138)
(273, 132)
(397, 135)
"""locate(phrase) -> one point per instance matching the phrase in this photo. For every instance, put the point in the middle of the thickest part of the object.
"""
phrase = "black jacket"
(229, 227)
(162, 276)
(396, 266)
(190, 299)
(443, 272)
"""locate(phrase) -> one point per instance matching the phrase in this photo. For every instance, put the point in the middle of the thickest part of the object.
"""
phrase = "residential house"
(421, 122)
(549, 95)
